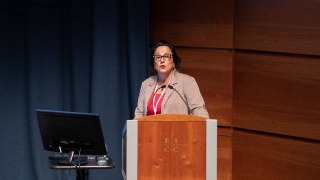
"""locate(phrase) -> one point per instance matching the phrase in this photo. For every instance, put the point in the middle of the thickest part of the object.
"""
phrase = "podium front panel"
(171, 150)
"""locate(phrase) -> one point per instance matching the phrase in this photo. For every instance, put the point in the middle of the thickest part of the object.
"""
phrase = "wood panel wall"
(265, 156)
(281, 92)
(193, 23)
(289, 26)
(258, 67)
(276, 90)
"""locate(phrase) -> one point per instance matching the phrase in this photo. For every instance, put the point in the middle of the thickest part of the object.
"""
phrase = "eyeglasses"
(158, 58)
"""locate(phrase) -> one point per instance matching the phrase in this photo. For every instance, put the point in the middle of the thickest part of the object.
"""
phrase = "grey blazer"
(172, 102)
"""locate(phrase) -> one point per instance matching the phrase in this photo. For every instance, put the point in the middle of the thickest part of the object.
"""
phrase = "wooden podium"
(170, 146)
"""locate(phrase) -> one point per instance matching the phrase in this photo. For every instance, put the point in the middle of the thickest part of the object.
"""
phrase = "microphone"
(171, 87)
(162, 87)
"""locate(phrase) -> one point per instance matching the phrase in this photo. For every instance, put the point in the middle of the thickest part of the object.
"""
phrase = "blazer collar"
(174, 79)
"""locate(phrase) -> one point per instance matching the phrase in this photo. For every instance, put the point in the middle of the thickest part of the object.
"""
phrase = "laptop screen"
(64, 131)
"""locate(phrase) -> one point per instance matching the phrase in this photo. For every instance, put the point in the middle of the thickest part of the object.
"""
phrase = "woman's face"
(163, 61)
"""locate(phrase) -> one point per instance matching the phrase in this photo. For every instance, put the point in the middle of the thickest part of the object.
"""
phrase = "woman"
(169, 92)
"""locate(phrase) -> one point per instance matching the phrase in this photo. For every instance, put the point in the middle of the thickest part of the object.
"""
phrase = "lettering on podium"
(172, 144)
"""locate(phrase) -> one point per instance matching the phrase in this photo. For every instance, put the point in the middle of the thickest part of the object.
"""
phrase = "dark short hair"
(155, 45)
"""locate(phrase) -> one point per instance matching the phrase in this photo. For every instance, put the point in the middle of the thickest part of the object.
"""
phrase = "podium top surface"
(171, 117)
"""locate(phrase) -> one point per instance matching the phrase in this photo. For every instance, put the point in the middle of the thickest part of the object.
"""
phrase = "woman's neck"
(164, 78)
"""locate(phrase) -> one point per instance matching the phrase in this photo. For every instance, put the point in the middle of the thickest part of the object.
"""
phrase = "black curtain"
(73, 55)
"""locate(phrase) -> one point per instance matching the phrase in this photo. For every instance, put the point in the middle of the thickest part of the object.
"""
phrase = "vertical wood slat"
(224, 153)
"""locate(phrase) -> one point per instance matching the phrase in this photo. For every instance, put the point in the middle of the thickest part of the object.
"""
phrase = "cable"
(78, 167)
(60, 151)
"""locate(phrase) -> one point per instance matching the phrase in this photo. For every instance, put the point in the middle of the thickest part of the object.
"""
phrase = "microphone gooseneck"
(171, 87)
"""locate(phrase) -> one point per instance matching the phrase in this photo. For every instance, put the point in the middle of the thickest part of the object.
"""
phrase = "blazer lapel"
(149, 90)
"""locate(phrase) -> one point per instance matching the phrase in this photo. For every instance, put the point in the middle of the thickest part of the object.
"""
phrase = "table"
(82, 169)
